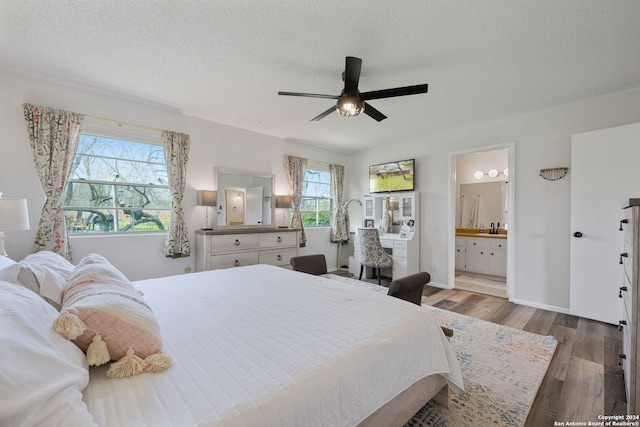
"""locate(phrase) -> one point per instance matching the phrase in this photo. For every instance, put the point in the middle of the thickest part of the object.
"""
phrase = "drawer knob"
(279, 257)
(622, 288)
(237, 242)
(236, 263)
(279, 239)
(624, 221)
(621, 324)
(621, 358)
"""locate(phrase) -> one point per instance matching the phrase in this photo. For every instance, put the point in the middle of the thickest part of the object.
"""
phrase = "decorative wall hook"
(553, 174)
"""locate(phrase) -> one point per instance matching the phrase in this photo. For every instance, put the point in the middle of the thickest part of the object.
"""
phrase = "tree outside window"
(316, 204)
(117, 185)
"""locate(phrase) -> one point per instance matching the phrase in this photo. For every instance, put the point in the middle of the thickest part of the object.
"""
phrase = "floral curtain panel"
(53, 135)
(294, 168)
(176, 154)
(339, 214)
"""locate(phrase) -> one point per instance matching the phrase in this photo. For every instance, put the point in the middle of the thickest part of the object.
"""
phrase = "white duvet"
(264, 346)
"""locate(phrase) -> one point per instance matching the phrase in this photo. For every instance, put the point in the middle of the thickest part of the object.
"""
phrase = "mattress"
(265, 346)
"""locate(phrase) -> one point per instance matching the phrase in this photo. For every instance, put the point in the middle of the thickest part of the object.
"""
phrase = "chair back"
(311, 264)
(370, 251)
(409, 288)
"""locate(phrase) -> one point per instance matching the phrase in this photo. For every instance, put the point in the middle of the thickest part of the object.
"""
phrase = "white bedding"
(264, 346)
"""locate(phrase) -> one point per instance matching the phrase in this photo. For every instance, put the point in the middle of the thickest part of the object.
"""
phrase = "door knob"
(577, 234)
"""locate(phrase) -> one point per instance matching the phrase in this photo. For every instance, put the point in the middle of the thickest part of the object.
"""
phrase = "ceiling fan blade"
(398, 91)
(352, 74)
(324, 114)
(373, 113)
(309, 95)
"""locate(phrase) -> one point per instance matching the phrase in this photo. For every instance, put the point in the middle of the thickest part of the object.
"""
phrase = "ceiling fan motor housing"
(350, 104)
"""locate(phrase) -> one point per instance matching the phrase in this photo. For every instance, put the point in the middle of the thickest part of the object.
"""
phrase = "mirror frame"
(272, 201)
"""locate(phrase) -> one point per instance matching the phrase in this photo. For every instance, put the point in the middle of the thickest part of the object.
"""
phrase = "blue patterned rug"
(502, 369)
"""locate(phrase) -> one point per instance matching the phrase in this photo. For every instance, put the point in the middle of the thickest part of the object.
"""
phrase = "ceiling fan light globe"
(349, 105)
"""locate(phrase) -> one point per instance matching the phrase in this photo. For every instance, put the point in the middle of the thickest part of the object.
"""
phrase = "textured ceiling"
(225, 61)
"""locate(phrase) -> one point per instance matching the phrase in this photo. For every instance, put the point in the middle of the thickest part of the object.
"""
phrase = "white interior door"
(254, 205)
(604, 172)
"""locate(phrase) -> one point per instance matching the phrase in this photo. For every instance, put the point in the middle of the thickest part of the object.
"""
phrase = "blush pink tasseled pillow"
(104, 315)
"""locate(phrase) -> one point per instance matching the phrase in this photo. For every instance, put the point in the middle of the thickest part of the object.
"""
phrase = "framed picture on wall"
(368, 223)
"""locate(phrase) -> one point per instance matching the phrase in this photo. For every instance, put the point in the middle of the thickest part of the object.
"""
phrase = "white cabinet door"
(476, 255)
(604, 173)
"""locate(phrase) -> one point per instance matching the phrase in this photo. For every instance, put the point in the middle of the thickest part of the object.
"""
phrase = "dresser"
(630, 259)
(225, 248)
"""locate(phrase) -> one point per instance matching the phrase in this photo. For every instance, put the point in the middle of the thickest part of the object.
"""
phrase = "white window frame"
(123, 132)
(322, 167)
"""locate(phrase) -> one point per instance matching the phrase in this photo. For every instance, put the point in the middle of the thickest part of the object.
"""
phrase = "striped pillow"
(108, 319)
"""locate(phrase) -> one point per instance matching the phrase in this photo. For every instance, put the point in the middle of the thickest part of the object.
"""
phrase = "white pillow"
(42, 375)
(45, 273)
(5, 262)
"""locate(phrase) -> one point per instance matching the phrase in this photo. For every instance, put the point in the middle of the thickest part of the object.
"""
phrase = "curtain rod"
(120, 122)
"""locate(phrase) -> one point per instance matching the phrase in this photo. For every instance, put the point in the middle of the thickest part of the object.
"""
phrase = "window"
(118, 181)
(315, 207)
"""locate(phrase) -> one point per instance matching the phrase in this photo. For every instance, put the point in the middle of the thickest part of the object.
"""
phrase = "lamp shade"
(207, 198)
(284, 202)
(13, 214)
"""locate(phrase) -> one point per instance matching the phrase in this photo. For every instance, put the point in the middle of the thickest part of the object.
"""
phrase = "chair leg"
(361, 270)
(379, 284)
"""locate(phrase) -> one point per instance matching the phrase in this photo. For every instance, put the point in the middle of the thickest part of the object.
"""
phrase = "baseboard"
(557, 309)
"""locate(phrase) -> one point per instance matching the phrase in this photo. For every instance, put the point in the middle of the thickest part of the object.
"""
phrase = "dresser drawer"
(277, 256)
(234, 260)
(399, 244)
(234, 242)
(274, 240)
(399, 253)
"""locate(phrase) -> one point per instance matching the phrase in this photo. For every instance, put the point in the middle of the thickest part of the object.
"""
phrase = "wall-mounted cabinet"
(392, 210)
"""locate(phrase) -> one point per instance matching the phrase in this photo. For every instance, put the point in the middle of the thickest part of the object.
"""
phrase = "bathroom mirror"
(244, 198)
(488, 197)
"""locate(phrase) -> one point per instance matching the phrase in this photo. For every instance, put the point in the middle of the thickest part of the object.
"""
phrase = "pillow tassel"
(97, 352)
(157, 363)
(69, 325)
(127, 366)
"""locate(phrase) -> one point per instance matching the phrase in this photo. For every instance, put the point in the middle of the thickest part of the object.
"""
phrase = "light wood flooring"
(584, 379)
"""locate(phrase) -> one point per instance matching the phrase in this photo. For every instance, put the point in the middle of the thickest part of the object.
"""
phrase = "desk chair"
(370, 251)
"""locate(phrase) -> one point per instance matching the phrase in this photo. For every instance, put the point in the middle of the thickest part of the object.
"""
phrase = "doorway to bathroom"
(480, 214)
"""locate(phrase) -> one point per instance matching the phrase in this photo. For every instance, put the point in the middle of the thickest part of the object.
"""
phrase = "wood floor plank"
(519, 317)
(589, 340)
(540, 322)
(582, 397)
(562, 356)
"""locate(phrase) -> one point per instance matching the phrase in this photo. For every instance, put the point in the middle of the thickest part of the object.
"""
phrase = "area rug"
(502, 369)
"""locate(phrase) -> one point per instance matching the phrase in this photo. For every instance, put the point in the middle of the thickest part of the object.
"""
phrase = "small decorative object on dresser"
(630, 259)
(224, 248)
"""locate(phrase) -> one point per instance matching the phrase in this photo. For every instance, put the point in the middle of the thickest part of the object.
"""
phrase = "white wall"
(540, 227)
(212, 144)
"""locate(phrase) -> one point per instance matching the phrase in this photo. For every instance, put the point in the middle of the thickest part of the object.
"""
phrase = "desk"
(403, 249)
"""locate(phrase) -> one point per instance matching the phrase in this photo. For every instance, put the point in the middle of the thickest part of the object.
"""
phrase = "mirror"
(488, 197)
(244, 198)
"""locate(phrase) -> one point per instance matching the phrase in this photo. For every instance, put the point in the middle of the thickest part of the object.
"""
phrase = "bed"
(265, 346)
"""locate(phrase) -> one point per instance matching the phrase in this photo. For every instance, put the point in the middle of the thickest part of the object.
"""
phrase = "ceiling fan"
(351, 102)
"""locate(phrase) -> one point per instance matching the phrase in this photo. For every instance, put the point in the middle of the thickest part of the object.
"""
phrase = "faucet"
(493, 229)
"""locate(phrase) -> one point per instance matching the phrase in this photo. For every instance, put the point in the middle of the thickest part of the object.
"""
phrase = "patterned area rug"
(502, 369)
